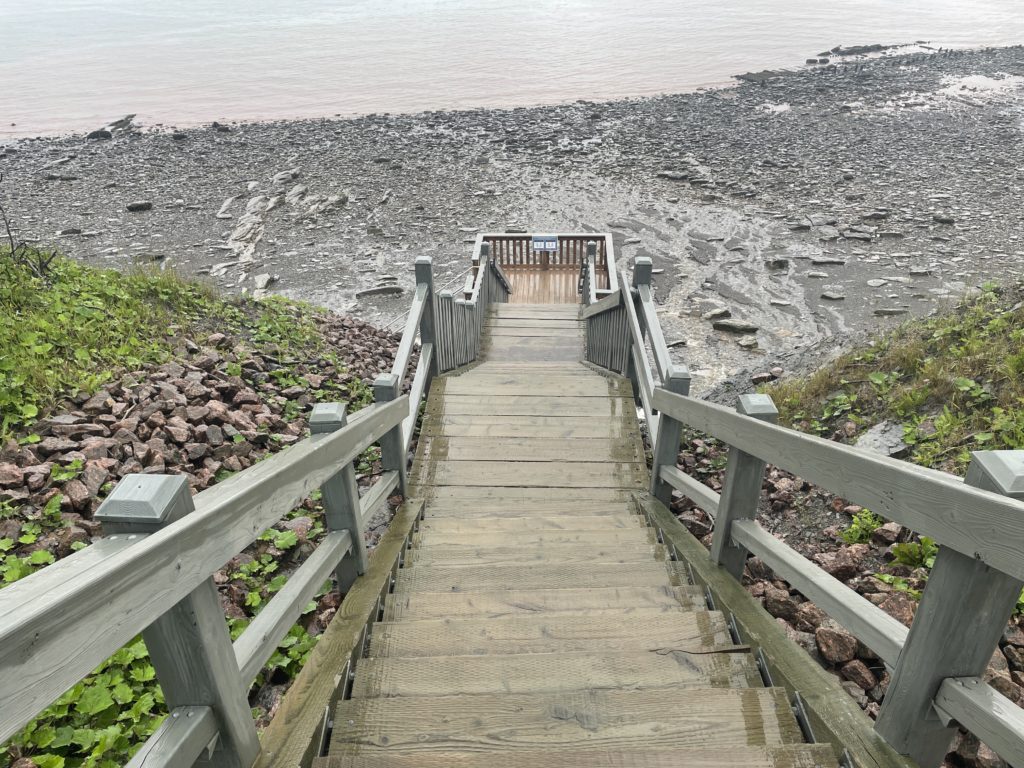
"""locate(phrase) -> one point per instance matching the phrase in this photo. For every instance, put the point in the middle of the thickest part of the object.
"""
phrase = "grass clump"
(72, 331)
(954, 382)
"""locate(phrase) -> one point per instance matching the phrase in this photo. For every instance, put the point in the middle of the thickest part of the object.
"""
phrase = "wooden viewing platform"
(534, 602)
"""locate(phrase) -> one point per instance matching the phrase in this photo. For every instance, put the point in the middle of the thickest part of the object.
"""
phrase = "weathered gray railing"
(619, 327)
(972, 590)
(153, 572)
(460, 320)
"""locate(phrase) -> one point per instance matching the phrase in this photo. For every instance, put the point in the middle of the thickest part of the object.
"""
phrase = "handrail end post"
(742, 489)
(642, 271)
(189, 645)
(957, 627)
(428, 334)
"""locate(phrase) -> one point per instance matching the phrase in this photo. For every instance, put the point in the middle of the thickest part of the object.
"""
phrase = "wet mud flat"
(792, 212)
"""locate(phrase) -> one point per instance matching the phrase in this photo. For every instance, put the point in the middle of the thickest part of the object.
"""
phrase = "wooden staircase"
(537, 621)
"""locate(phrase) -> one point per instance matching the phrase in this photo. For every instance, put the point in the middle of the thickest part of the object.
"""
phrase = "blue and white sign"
(545, 243)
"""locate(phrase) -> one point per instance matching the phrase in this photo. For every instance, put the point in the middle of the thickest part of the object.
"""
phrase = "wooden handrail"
(152, 572)
(928, 501)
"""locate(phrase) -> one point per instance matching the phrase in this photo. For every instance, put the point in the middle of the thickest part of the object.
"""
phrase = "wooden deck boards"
(536, 617)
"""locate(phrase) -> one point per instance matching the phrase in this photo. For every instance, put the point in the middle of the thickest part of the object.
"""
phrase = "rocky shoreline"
(809, 206)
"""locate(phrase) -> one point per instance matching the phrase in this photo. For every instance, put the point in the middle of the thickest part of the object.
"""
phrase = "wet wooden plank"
(526, 474)
(792, 756)
(608, 720)
(479, 502)
(528, 449)
(489, 578)
(552, 672)
(516, 384)
(535, 311)
(498, 556)
(528, 426)
(655, 633)
(624, 602)
(597, 408)
(446, 527)
(530, 322)
(561, 333)
(536, 538)
(538, 285)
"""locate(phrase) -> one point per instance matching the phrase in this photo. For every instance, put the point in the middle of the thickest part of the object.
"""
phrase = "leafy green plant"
(860, 529)
(916, 554)
(899, 583)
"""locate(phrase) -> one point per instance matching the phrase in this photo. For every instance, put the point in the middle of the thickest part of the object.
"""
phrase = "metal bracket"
(762, 667)
(800, 711)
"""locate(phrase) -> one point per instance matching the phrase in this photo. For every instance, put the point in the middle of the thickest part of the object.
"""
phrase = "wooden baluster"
(962, 614)
(428, 323)
(342, 510)
(386, 388)
(742, 489)
(189, 645)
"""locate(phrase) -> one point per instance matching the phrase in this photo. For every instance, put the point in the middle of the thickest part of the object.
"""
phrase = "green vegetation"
(864, 524)
(66, 328)
(76, 328)
(955, 382)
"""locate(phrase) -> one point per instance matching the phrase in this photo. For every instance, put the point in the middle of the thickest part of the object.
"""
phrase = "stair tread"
(483, 539)
(656, 631)
(450, 526)
(610, 720)
(613, 552)
(405, 604)
(469, 578)
(789, 756)
(550, 672)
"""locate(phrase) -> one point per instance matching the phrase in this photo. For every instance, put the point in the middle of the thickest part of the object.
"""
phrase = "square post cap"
(327, 417)
(642, 267)
(1001, 472)
(145, 504)
(758, 406)
(385, 387)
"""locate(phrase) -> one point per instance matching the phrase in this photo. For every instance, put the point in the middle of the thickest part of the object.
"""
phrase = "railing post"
(342, 510)
(392, 446)
(428, 334)
(189, 645)
(666, 450)
(962, 614)
(742, 489)
(642, 271)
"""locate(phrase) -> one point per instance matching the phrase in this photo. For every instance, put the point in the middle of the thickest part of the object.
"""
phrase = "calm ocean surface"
(68, 65)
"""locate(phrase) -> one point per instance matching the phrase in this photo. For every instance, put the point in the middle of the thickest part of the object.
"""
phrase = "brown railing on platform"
(516, 250)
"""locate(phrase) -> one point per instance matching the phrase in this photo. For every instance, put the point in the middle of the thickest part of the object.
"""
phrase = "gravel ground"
(814, 205)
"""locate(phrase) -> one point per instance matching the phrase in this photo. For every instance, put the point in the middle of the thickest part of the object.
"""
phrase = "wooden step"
(471, 578)
(607, 720)
(565, 330)
(450, 526)
(622, 601)
(528, 449)
(553, 555)
(524, 405)
(544, 311)
(530, 426)
(523, 322)
(462, 500)
(524, 539)
(695, 631)
(523, 383)
(526, 474)
(552, 672)
(790, 756)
